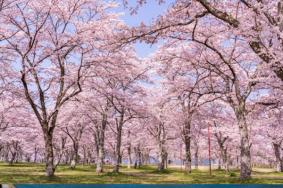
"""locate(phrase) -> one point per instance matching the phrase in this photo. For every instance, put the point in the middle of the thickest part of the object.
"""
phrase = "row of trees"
(74, 91)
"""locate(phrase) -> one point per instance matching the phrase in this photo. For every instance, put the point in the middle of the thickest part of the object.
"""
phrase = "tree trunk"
(279, 160)
(162, 157)
(75, 156)
(49, 155)
(280, 166)
(161, 164)
(187, 142)
(139, 156)
(118, 149)
(35, 154)
(129, 150)
(13, 157)
(100, 136)
(188, 159)
(196, 156)
(223, 157)
(129, 156)
(245, 160)
(166, 160)
(100, 159)
(100, 153)
(225, 160)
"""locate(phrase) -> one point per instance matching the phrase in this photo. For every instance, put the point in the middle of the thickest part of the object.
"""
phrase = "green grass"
(34, 173)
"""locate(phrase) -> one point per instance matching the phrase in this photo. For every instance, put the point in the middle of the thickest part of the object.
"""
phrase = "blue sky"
(146, 14)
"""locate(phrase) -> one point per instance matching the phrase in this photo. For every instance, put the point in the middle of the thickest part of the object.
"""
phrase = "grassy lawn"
(31, 173)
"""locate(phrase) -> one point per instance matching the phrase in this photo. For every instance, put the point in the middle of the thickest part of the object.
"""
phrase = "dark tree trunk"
(166, 160)
(35, 154)
(49, 155)
(279, 159)
(118, 149)
(118, 152)
(162, 157)
(75, 155)
(100, 138)
(139, 156)
(188, 159)
(187, 142)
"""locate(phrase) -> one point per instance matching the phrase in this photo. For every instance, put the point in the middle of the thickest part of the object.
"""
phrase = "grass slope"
(34, 173)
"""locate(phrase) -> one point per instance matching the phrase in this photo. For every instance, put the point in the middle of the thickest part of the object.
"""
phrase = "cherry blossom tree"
(96, 108)
(269, 124)
(52, 42)
(74, 125)
(187, 84)
(259, 23)
(160, 128)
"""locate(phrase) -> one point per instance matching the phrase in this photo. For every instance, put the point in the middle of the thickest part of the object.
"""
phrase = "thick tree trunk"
(75, 155)
(77, 158)
(100, 159)
(245, 160)
(49, 155)
(100, 136)
(279, 160)
(188, 159)
(161, 164)
(187, 142)
(162, 157)
(100, 153)
(118, 149)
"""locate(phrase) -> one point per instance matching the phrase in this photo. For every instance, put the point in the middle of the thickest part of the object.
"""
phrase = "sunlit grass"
(34, 173)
